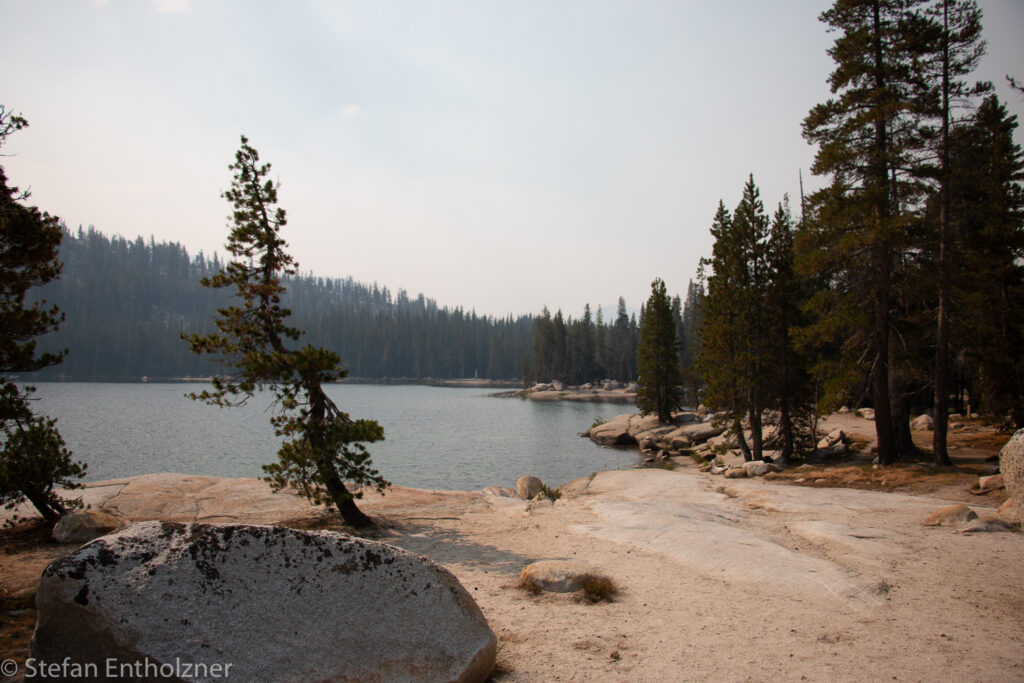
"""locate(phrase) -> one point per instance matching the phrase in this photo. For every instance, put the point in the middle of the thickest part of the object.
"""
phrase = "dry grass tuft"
(597, 588)
(530, 586)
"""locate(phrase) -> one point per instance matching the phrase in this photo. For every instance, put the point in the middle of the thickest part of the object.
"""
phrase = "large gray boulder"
(273, 603)
(1011, 465)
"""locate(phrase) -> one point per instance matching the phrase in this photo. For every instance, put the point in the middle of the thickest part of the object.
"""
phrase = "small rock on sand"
(556, 576)
(528, 487)
(954, 515)
(85, 525)
(992, 482)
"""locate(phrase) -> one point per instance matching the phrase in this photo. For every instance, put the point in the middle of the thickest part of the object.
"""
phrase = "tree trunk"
(882, 257)
(339, 494)
(902, 434)
(887, 452)
(756, 436)
(50, 512)
(786, 431)
(345, 503)
(742, 441)
(941, 420)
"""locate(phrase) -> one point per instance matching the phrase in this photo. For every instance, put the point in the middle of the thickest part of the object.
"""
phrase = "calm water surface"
(441, 438)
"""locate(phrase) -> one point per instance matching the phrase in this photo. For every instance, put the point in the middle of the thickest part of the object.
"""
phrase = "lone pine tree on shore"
(658, 358)
(33, 457)
(325, 447)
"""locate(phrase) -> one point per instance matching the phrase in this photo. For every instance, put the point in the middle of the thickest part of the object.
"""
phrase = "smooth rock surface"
(676, 514)
(272, 602)
(574, 488)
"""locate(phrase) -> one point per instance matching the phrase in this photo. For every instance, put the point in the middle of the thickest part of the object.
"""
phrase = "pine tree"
(657, 358)
(543, 355)
(735, 357)
(987, 196)
(325, 447)
(789, 379)
(956, 49)
(33, 457)
(621, 342)
(719, 361)
(868, 137)
(692, 322)
(751, 227)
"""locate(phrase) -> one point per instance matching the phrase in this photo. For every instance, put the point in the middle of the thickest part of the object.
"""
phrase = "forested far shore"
(127, 303)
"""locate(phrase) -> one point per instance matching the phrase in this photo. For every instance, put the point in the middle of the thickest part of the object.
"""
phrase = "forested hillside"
(127, 302)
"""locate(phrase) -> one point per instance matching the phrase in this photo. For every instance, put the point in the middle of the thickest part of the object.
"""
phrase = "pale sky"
(499, 156)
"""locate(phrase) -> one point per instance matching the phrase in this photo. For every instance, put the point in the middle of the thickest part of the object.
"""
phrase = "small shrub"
(552, 494)
(528, 585)
(668, 465)
(597, 588)
(598, 421)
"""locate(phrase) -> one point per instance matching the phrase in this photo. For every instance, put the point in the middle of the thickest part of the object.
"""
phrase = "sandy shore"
(720, 579)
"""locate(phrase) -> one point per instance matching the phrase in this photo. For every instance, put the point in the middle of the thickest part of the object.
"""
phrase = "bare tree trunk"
(786, 431)
(339, 494)
(902, 434)
(941, 421)
(756, 436)
(887, 452)
(737, 427)
(50, 512)
(883, 260)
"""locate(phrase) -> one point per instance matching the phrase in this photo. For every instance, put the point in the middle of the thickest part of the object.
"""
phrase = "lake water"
(437, 438)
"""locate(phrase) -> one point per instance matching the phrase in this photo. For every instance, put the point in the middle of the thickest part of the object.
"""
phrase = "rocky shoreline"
(607, 391)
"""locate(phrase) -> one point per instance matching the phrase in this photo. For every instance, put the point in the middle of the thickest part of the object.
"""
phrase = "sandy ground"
(726, 580)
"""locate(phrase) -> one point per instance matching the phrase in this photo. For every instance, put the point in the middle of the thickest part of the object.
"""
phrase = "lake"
(435, 437)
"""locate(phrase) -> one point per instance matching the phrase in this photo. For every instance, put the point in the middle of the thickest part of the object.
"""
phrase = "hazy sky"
(495, 155)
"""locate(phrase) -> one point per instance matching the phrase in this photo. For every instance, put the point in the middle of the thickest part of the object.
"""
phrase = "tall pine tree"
(956, 48)
(868, 136)
(657, 358)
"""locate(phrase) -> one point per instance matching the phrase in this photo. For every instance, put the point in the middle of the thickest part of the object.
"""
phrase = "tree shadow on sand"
(426, 536)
